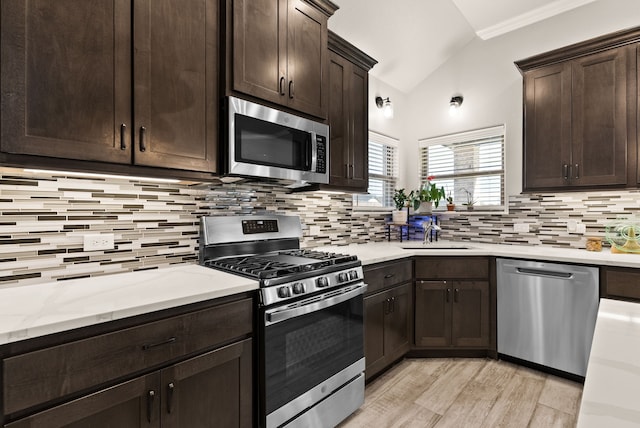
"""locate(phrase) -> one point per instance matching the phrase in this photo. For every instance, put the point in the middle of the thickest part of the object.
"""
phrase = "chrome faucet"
(428, 229)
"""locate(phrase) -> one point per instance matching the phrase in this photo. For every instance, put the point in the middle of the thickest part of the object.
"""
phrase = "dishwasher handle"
(544, 272)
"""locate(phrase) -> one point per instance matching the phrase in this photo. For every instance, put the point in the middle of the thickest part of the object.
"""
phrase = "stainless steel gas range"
(310, 317)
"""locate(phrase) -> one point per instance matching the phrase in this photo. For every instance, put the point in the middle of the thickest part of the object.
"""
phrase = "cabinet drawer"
(384, 275)
(39, 376)
(452, 268)
(622, 283)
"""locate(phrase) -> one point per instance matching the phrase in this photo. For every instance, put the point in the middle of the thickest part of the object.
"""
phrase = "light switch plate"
(521, 227)
(102, 241)
(581, 228)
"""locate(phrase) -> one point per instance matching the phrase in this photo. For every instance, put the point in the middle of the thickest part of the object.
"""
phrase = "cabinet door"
(66, 78)
(470, 314)
(348, 119)
(547, 127)
(375, 309)
(599, 122)
(176, 98)
(307, 64)
(339, 70)
(132, 404)
(358, 132)
(433, 313)
(397, 328)
(213, 389)
(259, 48)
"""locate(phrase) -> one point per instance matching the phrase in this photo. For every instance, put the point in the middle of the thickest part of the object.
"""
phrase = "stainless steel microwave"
(265, 142)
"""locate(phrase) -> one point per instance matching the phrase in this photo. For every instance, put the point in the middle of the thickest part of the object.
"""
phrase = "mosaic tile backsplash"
(43, 220)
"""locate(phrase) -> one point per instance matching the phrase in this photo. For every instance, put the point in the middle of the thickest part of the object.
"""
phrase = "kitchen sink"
(421, 246)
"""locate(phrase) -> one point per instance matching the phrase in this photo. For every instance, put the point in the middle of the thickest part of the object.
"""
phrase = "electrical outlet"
(521, 227)
(581, 228)
(571, 226)
(102, 241)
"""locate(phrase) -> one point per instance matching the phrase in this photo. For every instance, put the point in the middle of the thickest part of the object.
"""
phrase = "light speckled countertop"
(36, 310)
(611, 395)
(385, 251)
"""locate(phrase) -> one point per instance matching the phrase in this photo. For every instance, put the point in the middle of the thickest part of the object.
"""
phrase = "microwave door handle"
(312, 153)
(275, 317)
(308, 158)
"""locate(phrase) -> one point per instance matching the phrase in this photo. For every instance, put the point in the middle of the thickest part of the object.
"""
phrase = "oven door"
(311, 348)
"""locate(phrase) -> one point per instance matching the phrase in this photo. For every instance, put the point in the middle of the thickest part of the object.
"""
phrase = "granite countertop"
(611, 395)
(36, 310)
(376, 252)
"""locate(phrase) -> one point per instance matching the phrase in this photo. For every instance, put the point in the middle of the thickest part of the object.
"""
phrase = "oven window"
(302, 352)
(265, 143)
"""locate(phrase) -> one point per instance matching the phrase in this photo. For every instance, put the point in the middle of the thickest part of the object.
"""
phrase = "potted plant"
(470, 201)
(427, 197)
(400, 200)
(450, 205)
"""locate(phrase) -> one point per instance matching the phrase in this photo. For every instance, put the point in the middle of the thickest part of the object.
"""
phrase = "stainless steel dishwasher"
(547, 312)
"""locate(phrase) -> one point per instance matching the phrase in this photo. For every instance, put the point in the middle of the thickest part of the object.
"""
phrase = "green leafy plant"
(400, 199)
(450, 199)
(428, 193)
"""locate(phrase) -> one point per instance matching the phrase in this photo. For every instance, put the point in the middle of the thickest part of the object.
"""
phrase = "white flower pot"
(399, 216)
(424, 208)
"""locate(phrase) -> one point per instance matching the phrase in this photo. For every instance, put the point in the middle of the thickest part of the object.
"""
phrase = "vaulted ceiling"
(412, 38)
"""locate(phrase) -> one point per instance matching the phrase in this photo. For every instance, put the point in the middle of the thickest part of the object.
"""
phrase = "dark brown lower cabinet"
(387, 327)
(452, 314)
(620, 283)
(212, 389)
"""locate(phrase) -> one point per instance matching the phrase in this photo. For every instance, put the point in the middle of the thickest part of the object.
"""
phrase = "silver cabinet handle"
(565, 173)
(155, 345)
(577, 175)
(123, 133)
(143, 144)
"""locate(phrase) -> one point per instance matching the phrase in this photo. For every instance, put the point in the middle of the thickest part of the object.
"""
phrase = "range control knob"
(298, 288)
(322, 282)
(284, 292)
(353, 274)
(343, 277)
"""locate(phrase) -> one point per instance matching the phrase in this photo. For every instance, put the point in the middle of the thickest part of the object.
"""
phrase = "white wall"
(395, 127)
(484, 73)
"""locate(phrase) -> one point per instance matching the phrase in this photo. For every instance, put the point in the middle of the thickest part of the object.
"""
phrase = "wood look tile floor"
(461, 393)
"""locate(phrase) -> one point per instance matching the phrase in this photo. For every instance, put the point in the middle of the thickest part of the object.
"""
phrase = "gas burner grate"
(257, 267)
(333, 258)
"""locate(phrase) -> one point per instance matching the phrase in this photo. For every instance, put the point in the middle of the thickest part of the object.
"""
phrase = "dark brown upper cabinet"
(277, 52)
(348, 115)
(111, 81)
(580, 115)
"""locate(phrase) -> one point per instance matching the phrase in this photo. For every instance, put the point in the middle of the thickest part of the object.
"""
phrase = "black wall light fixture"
(454, 104)
(385, 105)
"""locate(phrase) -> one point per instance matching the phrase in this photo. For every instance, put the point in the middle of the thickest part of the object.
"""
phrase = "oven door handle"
(283, 315)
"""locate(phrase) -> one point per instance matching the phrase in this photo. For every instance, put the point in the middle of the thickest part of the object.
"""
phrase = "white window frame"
(466, 137)
(386, 140)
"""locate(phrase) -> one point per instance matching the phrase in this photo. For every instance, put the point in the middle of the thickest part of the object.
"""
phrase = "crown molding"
(531, 17)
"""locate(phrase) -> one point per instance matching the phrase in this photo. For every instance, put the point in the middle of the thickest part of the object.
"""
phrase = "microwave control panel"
(321, 160)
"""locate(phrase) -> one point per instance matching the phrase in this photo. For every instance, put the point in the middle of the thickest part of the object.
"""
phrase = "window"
(469, 165)
(383, 172)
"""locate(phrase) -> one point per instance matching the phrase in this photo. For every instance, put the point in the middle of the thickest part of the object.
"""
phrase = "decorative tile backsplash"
(547, 216)
(43, 220)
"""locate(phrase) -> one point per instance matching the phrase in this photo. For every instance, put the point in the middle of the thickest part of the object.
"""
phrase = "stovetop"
(267, 248)
(279, 264)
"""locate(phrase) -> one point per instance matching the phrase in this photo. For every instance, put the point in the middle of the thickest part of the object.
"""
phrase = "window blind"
(469, 165)
(383, 172)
